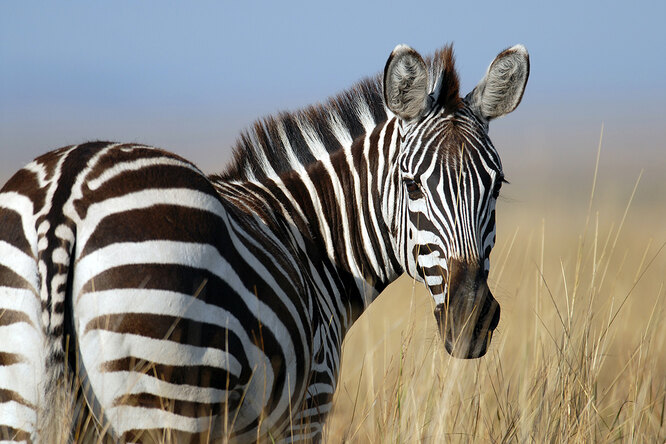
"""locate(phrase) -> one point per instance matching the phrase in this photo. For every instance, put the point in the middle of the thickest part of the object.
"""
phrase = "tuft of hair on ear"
(447, 91)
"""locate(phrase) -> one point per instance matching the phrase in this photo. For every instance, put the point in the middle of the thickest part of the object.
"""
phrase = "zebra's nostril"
(495, 312)
(490, 315)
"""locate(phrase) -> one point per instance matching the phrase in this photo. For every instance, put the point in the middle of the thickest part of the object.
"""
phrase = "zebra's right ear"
(406, 83)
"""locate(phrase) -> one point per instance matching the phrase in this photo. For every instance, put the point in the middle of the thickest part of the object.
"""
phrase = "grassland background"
(580, 351)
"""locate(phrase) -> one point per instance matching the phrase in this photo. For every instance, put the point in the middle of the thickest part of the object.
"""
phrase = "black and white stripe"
(217, 305)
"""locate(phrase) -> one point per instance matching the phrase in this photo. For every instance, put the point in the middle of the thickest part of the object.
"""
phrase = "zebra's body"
(218, 305)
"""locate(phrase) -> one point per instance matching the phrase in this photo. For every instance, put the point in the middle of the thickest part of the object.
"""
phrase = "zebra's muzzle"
(470, 314)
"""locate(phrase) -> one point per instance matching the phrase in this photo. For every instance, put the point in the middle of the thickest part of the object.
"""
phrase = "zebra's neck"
(350, 213)
(337, 209)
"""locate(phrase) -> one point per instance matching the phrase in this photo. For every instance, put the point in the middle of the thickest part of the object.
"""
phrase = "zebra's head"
(446, 178)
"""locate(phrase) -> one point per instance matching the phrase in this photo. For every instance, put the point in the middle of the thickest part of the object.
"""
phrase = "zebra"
(216, 306)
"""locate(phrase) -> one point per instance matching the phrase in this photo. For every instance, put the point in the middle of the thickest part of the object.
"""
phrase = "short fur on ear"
(406, 83)
(502, 88)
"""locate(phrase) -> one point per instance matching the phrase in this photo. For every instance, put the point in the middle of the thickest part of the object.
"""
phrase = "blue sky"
(189, 76)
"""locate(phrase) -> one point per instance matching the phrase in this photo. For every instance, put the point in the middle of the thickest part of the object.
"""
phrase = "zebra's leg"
(22, 351)
(23, 345)
(307, 425)
(22, 357)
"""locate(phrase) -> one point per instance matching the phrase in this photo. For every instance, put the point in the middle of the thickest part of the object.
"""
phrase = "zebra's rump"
(134, 250)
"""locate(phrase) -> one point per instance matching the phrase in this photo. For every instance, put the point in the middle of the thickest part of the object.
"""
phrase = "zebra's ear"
(406, 83)
(502, 88)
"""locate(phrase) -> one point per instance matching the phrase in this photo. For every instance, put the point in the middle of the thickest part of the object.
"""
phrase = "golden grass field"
(580, 351)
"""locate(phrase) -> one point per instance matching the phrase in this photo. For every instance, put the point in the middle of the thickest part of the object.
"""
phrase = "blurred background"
(188, 77)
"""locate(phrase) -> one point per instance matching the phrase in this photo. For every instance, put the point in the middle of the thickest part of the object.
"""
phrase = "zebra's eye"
(413, 189)
(498, 187)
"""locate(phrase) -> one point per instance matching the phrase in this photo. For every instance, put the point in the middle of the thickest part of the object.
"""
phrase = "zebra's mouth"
(467, 332)
(469, 314)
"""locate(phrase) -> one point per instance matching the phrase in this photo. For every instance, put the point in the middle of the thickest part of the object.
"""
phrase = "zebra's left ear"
(502, 88)
(406, 83)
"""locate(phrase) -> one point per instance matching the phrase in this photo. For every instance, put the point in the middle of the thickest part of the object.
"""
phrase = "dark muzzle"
(468, 317)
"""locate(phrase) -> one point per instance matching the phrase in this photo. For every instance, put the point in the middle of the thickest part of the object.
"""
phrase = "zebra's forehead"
(449, 141)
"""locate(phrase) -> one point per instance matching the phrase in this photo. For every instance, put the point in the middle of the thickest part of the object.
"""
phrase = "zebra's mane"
(281, 143)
